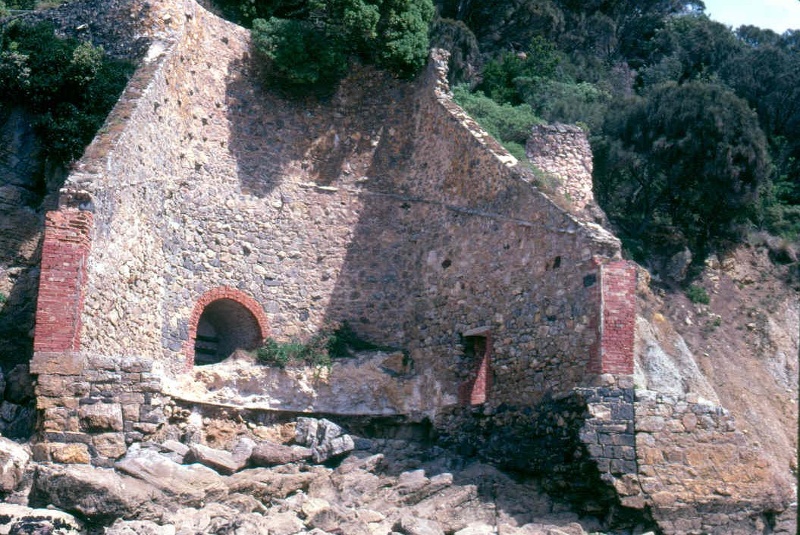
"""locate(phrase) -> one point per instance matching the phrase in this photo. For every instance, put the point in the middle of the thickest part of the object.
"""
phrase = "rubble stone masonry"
(383, 205)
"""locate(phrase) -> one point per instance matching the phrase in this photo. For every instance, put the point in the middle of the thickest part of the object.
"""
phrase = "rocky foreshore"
(318, 480)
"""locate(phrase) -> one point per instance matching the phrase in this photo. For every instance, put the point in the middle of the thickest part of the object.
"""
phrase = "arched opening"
(224, 320)
(224, 326)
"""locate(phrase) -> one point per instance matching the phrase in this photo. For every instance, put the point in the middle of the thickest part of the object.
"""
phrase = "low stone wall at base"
(92, 407)
(699, 474)
(580, 445)
(645, 458)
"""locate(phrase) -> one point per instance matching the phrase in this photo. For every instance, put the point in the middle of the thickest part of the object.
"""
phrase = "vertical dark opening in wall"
(224, 326)
(477, 356)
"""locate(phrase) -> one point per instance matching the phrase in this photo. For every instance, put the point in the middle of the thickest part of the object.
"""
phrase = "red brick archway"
(233, 318)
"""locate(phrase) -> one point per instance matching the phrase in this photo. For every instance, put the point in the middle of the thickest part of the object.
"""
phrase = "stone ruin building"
(208, 215)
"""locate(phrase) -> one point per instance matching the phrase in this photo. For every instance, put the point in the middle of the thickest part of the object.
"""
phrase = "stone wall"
(94, 407)
(563, 151)
(384, 206)
(699, 474)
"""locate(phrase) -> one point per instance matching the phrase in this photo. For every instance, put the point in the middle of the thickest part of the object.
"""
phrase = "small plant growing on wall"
(319, 351)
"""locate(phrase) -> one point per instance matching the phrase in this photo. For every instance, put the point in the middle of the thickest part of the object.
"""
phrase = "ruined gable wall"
(129, 174)
(383, 205)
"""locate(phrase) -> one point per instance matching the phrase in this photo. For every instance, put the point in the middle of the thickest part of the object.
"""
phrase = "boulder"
(326, 439)
(174, 450)
(218, 518)
(412, 525)
(269, 453)
(242, 450)
(13, 462)
(220, 460)
(98, 494)
(18, 520)
(265, 484)
(138, 527)
(190, 485)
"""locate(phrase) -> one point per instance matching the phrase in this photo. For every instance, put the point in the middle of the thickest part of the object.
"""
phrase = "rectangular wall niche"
(477, 355)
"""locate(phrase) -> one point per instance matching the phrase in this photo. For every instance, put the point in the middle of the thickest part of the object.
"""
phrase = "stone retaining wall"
(700, 474)
(94, 407)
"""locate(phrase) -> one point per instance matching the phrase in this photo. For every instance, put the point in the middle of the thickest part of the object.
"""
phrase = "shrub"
(298, 53)
(697, 295)
(319, 351)
(510, 125)
(309, 47)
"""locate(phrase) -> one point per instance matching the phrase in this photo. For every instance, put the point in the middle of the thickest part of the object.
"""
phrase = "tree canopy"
(309, 44)
(695, 126)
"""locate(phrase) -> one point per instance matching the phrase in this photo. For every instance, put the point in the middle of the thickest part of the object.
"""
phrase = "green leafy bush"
(318, 351)
(510, 125)
(70, 85)
(299, 53)
(697, 295)
(309, 45)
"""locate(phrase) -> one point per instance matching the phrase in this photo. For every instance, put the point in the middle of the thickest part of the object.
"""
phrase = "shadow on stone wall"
(327, 141)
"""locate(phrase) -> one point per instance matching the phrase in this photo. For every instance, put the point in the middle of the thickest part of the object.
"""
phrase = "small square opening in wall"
(477, 355)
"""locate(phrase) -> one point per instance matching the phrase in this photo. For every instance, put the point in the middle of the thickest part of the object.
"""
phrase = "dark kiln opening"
(224, 326)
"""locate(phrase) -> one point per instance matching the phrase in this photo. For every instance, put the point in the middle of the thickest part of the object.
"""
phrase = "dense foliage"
(309, 43)
(695, 127)
(70, 85)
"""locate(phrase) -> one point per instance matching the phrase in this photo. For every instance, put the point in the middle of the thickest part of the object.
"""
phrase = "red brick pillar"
(613, 352)
(67, 240)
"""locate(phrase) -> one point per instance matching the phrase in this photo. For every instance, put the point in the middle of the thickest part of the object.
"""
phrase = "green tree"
(686, 160)
(298, 52)
(311, 47)
(689, 48)
(70, 85)
(402, 42)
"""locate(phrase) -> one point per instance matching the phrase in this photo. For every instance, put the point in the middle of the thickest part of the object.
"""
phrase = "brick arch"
(223, 294)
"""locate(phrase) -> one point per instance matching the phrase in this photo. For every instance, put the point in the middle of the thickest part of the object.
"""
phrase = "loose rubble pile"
(322, 481)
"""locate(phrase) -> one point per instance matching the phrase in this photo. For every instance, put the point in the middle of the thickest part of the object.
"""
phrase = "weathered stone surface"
(138, 527)
(60, 363)
(74, 453)
(411, 525)
(21, 520)
(14, 461)
(563, 152)
(110, 445)
(219, 460)
(218, 518)
(270, 454)
(477, 529)
(325, 439)
(174, 450)
(101, 416)
(264, 483)
(189, 485)
(95, 493)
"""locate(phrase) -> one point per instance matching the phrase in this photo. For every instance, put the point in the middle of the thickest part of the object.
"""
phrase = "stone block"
(101, 417)
(111, 445)
(58, 363)
(70, 453)
(221, 461)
